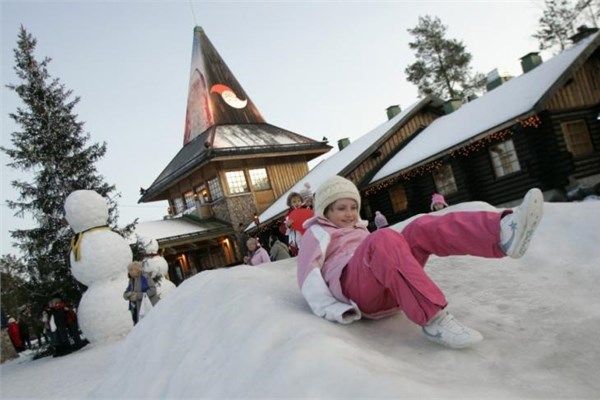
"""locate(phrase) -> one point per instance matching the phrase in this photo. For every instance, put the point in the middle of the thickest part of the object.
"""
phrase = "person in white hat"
(346, 273)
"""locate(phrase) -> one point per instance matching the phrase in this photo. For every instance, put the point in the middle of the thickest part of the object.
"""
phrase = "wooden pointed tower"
(232, 165)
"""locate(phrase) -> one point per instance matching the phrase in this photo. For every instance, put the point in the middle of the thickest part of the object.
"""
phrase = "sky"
(316, 68)
(261, 340)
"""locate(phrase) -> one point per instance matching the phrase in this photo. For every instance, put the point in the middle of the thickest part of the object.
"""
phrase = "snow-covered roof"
(503, 105)
(340, 160)
(168, 229)
(226, 140)
(255, 135)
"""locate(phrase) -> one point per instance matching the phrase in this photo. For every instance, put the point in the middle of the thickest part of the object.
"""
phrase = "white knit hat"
(333, 189)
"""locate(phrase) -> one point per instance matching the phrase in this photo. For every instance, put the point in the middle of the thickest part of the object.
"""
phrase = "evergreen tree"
(443, 65)
(51, 146)
(13, 291)
(560, 20)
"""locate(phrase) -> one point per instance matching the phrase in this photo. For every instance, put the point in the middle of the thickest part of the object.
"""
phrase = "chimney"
(496, 77)
(452, 105)
(343, 143)
(392, 111)
(530, 61)
(582, 32)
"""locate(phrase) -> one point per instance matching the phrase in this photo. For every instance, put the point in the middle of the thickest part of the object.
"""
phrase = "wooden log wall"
(588, 164)
(582, 90)
(391, 146)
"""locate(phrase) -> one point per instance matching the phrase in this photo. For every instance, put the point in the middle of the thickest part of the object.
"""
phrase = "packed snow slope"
(247, 331)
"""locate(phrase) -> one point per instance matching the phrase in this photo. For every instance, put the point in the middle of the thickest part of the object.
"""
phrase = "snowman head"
(150, 245)
(85, 209)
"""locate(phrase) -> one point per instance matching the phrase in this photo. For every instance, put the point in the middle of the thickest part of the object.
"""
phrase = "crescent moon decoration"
(229, 97)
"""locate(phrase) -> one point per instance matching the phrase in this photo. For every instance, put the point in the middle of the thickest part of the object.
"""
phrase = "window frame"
(576, 140)
(215, 189)
(443, 186)
(178, 205)
(506, 164)
(395, 192)
(258, 188)
(187, 196)
(240, 173)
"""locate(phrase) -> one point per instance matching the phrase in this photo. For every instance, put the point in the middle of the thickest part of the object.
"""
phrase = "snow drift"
(247, 331)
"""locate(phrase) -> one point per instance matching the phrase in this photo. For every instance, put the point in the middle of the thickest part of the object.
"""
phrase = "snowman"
(156, 266)
(99, 259)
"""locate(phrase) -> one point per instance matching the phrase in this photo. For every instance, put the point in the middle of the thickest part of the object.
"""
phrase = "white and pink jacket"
(326, 250)
(259, 256)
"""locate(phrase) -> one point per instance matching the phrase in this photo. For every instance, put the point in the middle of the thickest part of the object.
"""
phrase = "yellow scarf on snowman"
(76, 240)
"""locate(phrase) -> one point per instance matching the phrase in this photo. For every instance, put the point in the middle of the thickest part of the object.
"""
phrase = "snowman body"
(156, 266)
(99, 260)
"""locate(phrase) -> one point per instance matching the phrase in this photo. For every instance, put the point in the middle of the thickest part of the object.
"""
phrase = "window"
(189, 200)
(178, 204)
(236, 180)
(259, 179)
(215, 188)
(444, 180)
(577, 137)
(504, 158)
(202, 193)
(398, 198)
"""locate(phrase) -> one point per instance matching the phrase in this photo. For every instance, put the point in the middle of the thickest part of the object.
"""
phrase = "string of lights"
(533, 121)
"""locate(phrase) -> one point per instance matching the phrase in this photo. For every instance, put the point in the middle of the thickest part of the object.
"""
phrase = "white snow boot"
(516, 229)
(444, 329)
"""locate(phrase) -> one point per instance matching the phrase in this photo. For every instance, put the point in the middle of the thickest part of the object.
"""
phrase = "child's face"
(437, 206)
(343, 213)
(296, 201)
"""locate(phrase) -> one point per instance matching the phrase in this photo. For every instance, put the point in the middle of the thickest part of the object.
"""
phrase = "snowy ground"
(246, 332)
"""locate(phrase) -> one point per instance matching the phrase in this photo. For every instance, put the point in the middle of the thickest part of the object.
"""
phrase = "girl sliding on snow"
(345, 273)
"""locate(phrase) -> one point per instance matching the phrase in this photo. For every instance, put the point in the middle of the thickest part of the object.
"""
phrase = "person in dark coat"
(59, 326)
(279, 250)
(25, 325)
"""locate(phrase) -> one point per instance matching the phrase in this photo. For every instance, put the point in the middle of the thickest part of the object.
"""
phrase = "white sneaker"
(516, 229)
(445, 329)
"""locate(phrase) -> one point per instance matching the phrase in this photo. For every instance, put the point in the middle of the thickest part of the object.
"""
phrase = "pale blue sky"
(315, 68)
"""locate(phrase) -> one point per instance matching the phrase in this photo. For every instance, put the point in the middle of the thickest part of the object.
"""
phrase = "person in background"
(256, 254)
(345, 272)
(279, 251)
(438, 202)
(294, 201)
(15, 334)
(307, 196)
(57, 313)
(139, 283)
(380, 220)
(25, 325)
(242, 238)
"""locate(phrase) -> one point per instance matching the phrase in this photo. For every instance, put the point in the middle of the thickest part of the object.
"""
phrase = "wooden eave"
(431, 101)
(567, 74)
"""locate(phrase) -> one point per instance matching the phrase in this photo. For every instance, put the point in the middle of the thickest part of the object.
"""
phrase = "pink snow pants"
(387, 272)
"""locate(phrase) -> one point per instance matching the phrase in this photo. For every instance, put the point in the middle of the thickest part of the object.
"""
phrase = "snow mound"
(246, 332)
